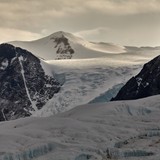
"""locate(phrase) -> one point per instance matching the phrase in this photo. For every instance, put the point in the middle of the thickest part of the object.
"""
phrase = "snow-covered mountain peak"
(64, 45)
(60, 34)
(68, 36)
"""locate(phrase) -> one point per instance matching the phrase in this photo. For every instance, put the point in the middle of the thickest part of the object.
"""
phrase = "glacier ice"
(105, 97)
(30, 153)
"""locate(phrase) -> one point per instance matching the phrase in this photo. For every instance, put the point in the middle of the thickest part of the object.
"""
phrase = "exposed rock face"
(64, 50)
(24, 86)
(146, 83)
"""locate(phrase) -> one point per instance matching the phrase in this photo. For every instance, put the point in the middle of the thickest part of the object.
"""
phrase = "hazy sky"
(126, 22)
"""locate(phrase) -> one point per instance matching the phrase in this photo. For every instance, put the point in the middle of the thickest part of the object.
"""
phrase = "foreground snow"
(117, 130)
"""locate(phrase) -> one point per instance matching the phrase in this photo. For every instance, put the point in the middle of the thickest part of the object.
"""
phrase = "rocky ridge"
(25, 87)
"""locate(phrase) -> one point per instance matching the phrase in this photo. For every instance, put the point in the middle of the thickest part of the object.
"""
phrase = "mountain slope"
(146, 83)
(25, 86)
(114, 130)
(62, 45)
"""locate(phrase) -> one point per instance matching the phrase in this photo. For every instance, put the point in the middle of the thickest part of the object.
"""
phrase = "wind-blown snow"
(113, 130)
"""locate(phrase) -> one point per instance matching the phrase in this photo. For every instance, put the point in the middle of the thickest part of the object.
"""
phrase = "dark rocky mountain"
(146, 83)
(24, 86)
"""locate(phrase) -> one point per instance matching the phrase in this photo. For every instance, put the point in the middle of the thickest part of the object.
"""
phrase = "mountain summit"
(63, 45)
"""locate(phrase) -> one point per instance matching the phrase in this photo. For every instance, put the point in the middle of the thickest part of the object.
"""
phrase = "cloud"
(18, 9)
(123, 7)
(20, 13)
(10, 34)
(134, 36)
(92, 33)
(24, 19)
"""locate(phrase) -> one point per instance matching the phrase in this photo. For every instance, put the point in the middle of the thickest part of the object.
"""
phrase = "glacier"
(108, 95)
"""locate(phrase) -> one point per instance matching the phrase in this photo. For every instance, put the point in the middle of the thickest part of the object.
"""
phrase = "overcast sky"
(125, 22)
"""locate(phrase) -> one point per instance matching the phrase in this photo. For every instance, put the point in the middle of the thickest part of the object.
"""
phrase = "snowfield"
(112, 130)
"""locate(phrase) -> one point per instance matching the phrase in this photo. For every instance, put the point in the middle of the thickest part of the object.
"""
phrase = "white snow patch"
(33, 103)
(4, 64)
(2, 111)
(47, 68)
(139, 80)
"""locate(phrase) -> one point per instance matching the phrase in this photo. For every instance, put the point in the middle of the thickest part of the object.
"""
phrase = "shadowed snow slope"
(113, 130)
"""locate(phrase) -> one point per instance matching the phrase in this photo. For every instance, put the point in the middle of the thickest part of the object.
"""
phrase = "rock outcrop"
(24, 86)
